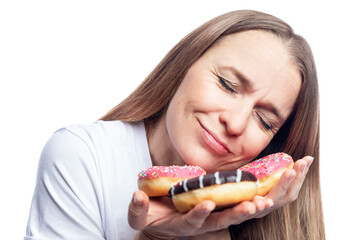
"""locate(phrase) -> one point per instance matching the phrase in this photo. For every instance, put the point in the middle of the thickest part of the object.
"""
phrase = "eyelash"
(226, 85)
(268, 126)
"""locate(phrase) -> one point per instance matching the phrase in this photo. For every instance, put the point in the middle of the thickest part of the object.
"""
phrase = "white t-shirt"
(86, 177)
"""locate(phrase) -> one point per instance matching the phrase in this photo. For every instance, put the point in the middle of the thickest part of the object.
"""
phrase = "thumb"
(138, 210)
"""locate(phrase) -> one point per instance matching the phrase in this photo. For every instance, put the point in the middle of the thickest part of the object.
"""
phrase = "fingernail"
(312, 159)
(206, 211)
(138, 200)
(209, 208)
(203, 212)
(270, 202)
(252, 210)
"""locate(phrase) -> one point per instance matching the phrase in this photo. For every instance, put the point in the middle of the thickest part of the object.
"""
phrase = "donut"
(268, 170)
(156, 181)
(223, 188)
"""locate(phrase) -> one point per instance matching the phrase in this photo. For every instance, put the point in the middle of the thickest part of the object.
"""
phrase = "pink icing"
(268, 165)
(171, 171)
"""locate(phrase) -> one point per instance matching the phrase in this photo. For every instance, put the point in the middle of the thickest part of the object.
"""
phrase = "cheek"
(254, 141)
(210, 98)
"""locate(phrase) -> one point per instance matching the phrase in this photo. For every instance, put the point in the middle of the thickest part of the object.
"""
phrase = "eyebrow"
(241, 77)
(275, 111)
(248, 84)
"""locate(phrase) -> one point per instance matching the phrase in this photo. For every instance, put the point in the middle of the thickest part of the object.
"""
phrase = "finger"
(289, 185)
(263, 206)
(281, 188)
(229, 216)
(138, 210)
(309, 160)
(269, 203)
(245, 209)
(196, 216)
(301, 167)
(260, 203)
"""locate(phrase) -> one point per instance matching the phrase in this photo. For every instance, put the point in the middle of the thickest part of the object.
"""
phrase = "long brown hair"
(299, 136)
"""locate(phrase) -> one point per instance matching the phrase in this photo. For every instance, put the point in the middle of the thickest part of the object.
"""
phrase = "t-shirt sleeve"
(67, 202)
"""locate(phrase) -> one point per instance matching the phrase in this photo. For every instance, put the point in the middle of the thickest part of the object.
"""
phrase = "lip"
(212, 141)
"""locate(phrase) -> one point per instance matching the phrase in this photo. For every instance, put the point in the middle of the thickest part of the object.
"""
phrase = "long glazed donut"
(268, 170)
(223, 188)
(156, 181)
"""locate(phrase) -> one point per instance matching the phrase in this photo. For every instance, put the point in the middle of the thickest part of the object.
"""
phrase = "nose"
(236, 118)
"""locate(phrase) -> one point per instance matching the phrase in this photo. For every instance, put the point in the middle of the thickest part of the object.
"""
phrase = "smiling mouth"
(213, 142)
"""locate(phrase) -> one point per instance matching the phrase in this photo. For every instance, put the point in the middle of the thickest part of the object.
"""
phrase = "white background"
(65, 62)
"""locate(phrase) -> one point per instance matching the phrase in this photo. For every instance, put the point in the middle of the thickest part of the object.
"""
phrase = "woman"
(239, 87)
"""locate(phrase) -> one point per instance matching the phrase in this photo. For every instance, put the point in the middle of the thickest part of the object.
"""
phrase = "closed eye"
(266, 123)
(226, 86)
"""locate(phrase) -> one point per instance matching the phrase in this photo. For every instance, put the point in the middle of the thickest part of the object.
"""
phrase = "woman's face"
(231, 102)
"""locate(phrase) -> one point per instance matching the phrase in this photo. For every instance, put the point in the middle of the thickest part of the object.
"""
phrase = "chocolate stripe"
(211, 179)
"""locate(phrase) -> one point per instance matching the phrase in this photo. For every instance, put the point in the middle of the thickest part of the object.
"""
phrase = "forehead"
(256, 45)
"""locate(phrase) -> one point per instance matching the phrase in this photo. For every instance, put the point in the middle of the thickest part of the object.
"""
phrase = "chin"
(194, 158)
(203, 160)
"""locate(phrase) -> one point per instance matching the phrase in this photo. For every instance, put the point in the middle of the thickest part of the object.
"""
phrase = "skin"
(219, 121)
(204, 109)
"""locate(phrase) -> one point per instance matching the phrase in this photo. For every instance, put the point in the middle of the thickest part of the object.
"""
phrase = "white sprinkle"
(185, 187)
(217, 179)
(201, 181)
(238, 175)
(172, 191)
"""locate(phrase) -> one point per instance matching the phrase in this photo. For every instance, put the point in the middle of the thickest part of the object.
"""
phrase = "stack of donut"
(189, 185)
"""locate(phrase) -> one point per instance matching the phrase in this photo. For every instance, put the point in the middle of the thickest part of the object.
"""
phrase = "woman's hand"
(157, 218)
(289, 185)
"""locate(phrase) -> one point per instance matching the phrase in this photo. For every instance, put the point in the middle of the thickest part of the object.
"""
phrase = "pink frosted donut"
(156, 181)
(268, 170)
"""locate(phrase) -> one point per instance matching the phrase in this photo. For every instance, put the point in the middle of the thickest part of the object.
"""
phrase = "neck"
(161, 149)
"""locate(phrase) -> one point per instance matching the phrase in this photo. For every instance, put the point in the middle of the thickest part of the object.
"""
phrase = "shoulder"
(88, 164)
(102, 133)
(91, 150)
(96, 141)
(104, 129)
